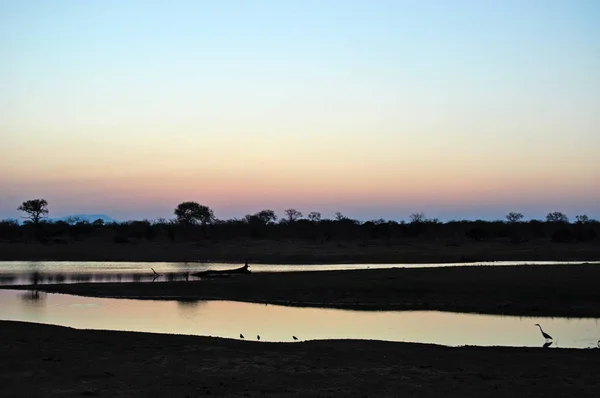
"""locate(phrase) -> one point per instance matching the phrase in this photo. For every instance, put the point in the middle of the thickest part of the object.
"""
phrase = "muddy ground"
(50, 361)
(544, 290)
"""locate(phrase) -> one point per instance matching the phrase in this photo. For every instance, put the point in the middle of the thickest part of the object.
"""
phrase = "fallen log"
(224, 273)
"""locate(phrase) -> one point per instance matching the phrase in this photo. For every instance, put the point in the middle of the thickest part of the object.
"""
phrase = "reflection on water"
(277, 323)
(36, 278)
(23, 272)
(34, 298)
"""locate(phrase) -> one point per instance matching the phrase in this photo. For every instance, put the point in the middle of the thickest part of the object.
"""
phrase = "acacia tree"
(557, 217)
(191, 213)
(35, 209)
(292, 215)
(514, 217)
(262, 217)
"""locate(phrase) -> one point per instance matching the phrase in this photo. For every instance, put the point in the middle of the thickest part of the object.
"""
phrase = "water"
(20, 272)
(278, 323)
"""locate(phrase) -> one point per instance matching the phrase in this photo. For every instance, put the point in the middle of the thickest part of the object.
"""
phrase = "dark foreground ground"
(50, 361)
(545, 290)
(417, 250)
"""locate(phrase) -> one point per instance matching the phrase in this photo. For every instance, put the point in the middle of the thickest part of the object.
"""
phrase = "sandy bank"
(50, 361)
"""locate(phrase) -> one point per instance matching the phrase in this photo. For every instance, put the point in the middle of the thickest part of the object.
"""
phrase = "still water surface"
(278, 323)
(20, 272)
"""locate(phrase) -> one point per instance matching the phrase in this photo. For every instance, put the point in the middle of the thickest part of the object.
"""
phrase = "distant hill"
(84, 217)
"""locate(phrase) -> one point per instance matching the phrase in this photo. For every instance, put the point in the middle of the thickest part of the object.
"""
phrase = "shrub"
(586, 235)
(562, 235)
(121, 239)
(476, 233)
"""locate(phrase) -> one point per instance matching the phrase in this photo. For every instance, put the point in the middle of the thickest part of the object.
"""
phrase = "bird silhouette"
(241, 336)
(257, 337)
(546, 335)
(295, 338)
(547, 344)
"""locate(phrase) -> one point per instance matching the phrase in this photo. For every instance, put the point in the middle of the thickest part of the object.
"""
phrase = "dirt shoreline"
(408, 251)
(50, 361)
(544, 290)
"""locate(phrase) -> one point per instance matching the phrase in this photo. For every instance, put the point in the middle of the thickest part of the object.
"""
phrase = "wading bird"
(546, 335)
(241, 336)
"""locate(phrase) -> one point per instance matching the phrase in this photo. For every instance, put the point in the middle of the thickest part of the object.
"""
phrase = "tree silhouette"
(514, 217)
(262, 217)
(292, 215)
(339, 216)
(191, 220)
(36, 209)
(191, 213)
(557, 217)
(417, 218)
(314, 216)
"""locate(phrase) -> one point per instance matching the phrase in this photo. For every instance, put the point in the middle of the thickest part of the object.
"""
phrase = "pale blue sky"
(373, 108)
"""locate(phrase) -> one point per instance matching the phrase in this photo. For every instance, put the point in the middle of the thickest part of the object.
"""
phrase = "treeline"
(193, 221)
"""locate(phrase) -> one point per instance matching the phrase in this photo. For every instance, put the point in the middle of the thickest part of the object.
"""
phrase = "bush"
(562, 235)
(476, 233)
(518, 238)
(120, 239)
(586, 235)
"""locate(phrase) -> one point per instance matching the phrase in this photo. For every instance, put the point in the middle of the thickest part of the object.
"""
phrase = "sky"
(376, 109)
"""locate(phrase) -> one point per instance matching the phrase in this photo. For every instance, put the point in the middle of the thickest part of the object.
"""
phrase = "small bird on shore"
(295, 338)
(257, 337)
(546, 335)
(241, 336)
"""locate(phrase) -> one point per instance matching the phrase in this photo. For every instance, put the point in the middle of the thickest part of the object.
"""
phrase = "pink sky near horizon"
(360, 192)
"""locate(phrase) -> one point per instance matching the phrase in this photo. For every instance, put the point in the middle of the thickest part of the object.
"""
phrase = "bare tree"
(35, 209)
(417, 218)
(74, 220)
(339, 216)
(292, 215)
(514, 217)
(314, 216)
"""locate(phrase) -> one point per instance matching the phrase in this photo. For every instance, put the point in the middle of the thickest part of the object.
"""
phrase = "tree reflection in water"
(188, 307)
(34, 298)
